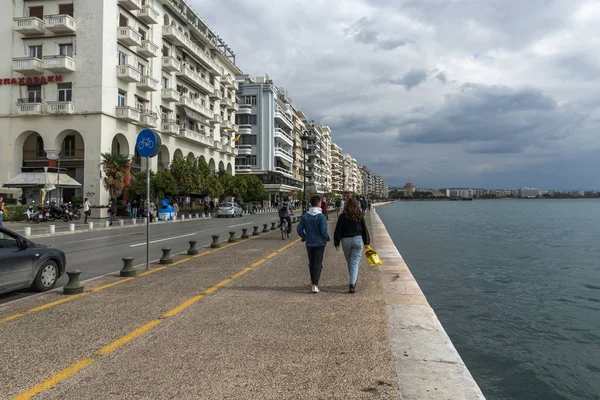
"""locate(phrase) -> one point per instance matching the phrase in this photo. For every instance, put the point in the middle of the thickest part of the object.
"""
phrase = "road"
(100, 251)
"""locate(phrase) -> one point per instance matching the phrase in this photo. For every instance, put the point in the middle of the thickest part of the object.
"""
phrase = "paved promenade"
(237, 322)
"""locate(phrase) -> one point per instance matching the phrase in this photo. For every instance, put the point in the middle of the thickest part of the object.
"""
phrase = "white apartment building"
(337, 165)
(266, 144)
(82, 78)
(299, 129)
(326, 176)
(316, 158)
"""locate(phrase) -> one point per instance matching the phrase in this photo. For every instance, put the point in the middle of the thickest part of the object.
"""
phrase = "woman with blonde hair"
(352, 233)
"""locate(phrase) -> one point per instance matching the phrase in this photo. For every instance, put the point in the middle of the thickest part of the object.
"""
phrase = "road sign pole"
(147, 212)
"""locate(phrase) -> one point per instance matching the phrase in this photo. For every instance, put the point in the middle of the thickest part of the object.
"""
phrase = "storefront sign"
(36, 80)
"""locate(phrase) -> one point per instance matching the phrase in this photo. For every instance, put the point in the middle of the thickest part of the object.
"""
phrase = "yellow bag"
(372, 256)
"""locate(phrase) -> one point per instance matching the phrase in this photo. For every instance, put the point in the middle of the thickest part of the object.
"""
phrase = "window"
(34, 93)
(252, 160)
(142, 33)
(122, 58)
(165, 114)
(141, 104)
(65, 9)
(250, 100)
(245, 119)
(37, 12)
(64, 91)
(69, 146)
(165, 82)
(248, 139)
(40, 148)
(35, 51)
(165, 51)
(142, 69)
(123, 21)
(65, 49)
(122, 99)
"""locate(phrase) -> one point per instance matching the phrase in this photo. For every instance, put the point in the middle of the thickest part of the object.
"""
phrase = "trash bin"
(165, 213)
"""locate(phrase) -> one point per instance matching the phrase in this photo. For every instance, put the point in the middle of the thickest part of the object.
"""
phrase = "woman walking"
(313, 230)
(351, 231)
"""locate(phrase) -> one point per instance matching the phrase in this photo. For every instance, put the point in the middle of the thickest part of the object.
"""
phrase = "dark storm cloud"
(441, 76)
(364, 31)
(413, 77)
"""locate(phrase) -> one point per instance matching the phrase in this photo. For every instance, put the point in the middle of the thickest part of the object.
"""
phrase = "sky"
(444, 93)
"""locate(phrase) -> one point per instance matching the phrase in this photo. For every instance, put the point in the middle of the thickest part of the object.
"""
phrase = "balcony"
(129, 36)
(26, 108)
(236, 107)
(148, 83)
(60, 23)
(218, 145)
(171, 95)
(244, 149)
(28, 65)
(196, 80)
(244, 109)
(226, 125)
(216, 94)
(61, 107)
(129, 114)
(217, 118)
(283, 154)
(243, 168)
(285, 172)
(196, 106)
(28, 26)
(131, 4)
(149, 15)
(235, 127)
(171, 64)
(179, 39)
(245, 129)
(148, 119)
(170, 127)
(282, 116)
(148, 49)
(196, 137)
(226, 102)
(59, 63)
(128, 73)
(284, 137)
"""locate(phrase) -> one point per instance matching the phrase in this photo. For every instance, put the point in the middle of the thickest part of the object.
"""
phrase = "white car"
(229, 210)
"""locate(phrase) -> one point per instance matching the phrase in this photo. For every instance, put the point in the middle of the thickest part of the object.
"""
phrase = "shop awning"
(43, 179)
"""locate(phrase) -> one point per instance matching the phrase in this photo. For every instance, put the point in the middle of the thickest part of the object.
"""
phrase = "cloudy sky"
(460, 93)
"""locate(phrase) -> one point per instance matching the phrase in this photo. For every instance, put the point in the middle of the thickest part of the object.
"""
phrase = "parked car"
(229, 210)
(24, 263)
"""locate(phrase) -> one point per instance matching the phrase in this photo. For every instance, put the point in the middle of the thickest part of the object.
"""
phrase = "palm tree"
(115, 168)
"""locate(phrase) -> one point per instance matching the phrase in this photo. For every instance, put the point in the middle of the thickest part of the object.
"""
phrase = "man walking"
(86, 209)
(313, 231)
(112, 211)
(134, 208)
(324, 209)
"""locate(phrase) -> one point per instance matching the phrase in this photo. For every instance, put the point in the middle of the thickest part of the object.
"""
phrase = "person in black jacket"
(351, 232)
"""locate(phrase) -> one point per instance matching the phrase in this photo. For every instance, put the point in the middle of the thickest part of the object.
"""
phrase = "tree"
(162, 184)
(187, 174)
(255, 189)
(115, 168)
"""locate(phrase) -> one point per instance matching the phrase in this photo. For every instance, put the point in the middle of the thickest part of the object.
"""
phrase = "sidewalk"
(236, 323)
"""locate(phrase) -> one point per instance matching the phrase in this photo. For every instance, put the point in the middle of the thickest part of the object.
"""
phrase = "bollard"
(72, 227)
(232, 238)
(166, 257)
(183, 217)
(192, 251)
(121, 223)
(273, 226)
(245, 233)
(27, 231)
(265, 228)
(189, 216)
(106, 224)
(215, 243)
(255, 233)
(73, 287)
(134, 221)
(197, 216)
(90, 225)
(51, 229)
(127, 270)
(203, 216)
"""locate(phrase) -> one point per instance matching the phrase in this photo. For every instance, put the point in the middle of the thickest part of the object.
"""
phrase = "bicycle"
(285, 233)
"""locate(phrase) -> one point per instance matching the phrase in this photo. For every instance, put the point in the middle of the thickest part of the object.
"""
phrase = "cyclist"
(284, 209)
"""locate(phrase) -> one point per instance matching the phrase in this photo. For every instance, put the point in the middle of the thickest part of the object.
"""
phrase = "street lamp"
(304, 138)
(54, 155)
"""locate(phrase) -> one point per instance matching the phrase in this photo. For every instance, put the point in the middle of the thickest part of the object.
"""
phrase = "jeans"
(353, 247)
(111, 217)
(289, 221)
(315, 263)
(1, 216)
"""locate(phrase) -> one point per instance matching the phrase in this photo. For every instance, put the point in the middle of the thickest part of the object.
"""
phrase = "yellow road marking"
(15, 316)
(57, 302)
(99, 288)
(61, 376)
(182, 306)
(242, 272)
(127, 338)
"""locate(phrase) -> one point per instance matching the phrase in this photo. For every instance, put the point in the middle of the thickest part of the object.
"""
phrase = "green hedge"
(13, 213)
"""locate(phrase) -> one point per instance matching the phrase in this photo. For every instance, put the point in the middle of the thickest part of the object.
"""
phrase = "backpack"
(284, 207)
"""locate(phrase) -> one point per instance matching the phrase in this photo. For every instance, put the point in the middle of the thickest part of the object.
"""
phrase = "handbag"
(372, 256)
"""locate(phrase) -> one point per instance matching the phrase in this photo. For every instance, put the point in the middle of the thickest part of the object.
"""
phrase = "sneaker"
(351, 288)
(314, 288)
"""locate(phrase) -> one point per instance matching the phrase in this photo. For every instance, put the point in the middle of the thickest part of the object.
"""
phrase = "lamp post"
(304, 138)
(54, 155)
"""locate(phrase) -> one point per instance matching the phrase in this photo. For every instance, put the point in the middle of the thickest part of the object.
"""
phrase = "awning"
(189, 113)
(46, 180)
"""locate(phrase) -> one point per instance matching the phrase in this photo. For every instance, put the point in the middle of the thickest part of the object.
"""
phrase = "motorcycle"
(30, 214)
(58, 212)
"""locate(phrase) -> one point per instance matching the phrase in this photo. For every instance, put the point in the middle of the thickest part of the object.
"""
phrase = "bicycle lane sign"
(148, 143)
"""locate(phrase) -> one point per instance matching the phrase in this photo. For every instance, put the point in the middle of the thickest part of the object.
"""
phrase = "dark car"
(24, 263)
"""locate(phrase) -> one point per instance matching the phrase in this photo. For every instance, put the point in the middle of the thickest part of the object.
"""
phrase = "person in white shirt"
(86, 209)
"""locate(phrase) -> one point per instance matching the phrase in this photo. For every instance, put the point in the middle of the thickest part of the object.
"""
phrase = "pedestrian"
(128, 208)
(363, 205)
(369, 204)
(86, 209)
(134, 209)
(313, 231)
(175, 210)
(338, 207)
(352, 233)
(324, 209)
(211, 206)
(2, 210)
(112, 211)
(151, 209)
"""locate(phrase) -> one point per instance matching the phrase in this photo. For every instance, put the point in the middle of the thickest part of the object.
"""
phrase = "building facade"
(266, 143)
(337, 170)
(88, 76)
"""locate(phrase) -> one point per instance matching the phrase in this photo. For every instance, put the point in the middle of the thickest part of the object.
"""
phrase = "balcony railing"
(226, 124)
(280, 152)
(149, 15)
(243, 168)
(148, 118)
(283, 136)
(26, 108)
(245, 129)
(129, 36)
(131, 4)
(280, 114)
(196, 80)
(244, 149)
(197, 137)
(60, 23)
(170, 127)
(171, 95)
(148, 49)
(128, 73)
(61, 107)
(28, 65)
(28, 26)
(227, 102)
(180, 39)
(128, 114)
(148, 83)
(171, 64)
(284, 171)
(245, 109)
(196, 106)
(59, 63)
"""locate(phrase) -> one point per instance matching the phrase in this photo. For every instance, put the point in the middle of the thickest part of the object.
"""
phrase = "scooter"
(30, 215)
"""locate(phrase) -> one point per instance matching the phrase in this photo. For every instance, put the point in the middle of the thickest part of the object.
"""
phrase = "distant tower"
(409, 188)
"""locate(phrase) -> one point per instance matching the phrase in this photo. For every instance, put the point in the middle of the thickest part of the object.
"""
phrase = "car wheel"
(46, 276)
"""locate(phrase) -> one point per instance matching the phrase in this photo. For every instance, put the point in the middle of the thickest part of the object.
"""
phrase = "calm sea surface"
(516, 284)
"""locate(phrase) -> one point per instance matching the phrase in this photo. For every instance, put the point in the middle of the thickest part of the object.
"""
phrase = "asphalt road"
(99, 252)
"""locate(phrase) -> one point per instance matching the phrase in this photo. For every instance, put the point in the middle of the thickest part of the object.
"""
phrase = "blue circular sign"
(148, 143)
